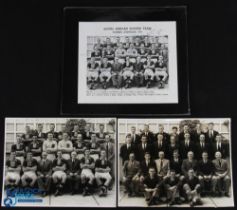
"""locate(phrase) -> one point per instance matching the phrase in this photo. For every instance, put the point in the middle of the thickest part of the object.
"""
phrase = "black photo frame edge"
(72, 15)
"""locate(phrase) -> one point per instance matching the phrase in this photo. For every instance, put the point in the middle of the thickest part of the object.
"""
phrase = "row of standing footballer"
(181, 167)
(86, 163)
(138, 64)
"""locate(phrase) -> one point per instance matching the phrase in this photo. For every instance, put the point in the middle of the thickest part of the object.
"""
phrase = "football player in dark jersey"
(128, 72)
(93, 73)
(105, 72)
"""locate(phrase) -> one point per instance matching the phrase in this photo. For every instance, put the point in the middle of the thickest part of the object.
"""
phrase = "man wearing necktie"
(135, 138)
(202, 146)
(159, 145)
(211, 133)
(131, 172)
(145, 165)
(127, 148)
(220, 146)
(186, 146)
(148, 134)
(44, 172)
(221, 174)
(162, 165)
(189, 163)
(142, 148)
(73, 173)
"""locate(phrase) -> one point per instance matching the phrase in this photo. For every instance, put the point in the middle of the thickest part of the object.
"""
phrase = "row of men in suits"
(168, 147)
(83, 174)
(175, 177)
(210, 134)
(185, 141)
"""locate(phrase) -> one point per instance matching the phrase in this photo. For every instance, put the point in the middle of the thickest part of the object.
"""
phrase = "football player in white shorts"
(105, 72)
(87, 175)
(102, 173)
(149, 71)
(127, 72)
(161, 71)
(29, 176)
(59, 173)
(13, 169)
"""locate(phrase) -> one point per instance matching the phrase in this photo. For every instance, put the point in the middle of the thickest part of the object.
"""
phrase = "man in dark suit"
(145, 165)
(175, 133)
(166, 136)
(202, 146)
(142, 148)
(159, 145)
(44, 172)
(197, 132)
(136, 139)
(220, 146)
(176, 163)
(189, 163)
(172, 147)
(73, 172)
(186, 145)
(127, 148)
(211, 133)
(186, 129)
(148, 134)
(205, 173)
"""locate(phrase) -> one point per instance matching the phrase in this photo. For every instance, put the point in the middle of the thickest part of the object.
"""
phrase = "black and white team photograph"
(127, 60)
(60, 162)
(175, 162)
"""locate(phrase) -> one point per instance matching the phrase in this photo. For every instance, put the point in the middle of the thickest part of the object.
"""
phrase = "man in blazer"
(202, 146)
(211, 133)
(186, 145)
(189, 163)
(159, 145)
(205, 173)
(162, 165)
(131, 172)
(176, 163)
(44, 172)
(136, 139)
(220, 146)
(221, 174)
(127, 148)
(142, 148)
(73, 172)
(148, 134)
(145, 165)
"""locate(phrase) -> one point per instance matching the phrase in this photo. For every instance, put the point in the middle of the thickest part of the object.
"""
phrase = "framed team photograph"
(59, 162)
(119, 59)
(127, 62)
(175, 163)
